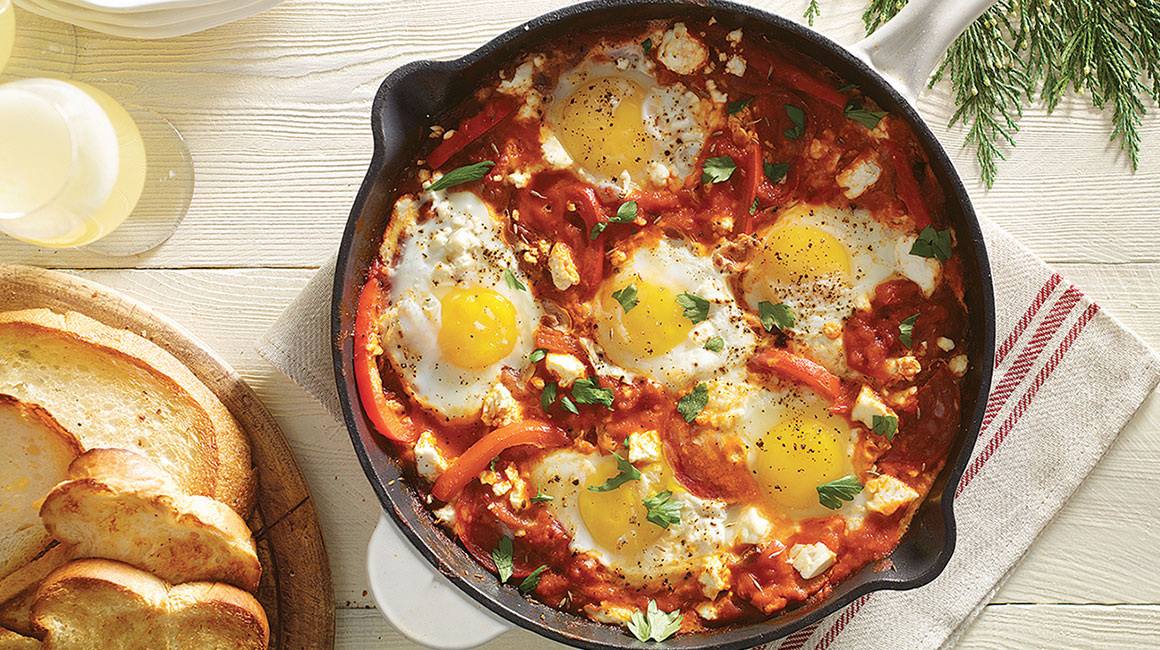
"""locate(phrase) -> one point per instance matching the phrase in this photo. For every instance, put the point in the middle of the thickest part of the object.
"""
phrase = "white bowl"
(152, 19)
(134, 6)
(183, 22)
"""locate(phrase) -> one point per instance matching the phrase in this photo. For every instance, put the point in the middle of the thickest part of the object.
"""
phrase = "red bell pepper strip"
(383, 413)
(799, 79)
(754, 175)
(473, 461)
(471, 128)
(801, 370)
(907, 186)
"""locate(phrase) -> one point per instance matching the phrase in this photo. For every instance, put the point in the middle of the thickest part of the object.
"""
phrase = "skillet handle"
(907, 48)
(418, 601)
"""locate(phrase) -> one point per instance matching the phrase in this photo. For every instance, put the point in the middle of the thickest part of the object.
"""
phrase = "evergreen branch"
(812, 12)
(1108, 50)
(990, 83)
(879, 12)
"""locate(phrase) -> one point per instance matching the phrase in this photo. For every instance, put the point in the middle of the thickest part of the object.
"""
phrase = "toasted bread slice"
(113, 388)
(18, 588)
(119, 505)
(16, 613)
(95, 603)
(10, 640)
(35, 452)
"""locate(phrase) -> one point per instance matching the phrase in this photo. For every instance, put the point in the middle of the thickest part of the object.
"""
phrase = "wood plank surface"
(275, 109)
(296, 590)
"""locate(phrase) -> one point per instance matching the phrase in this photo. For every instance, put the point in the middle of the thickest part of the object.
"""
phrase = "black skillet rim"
(403, 503)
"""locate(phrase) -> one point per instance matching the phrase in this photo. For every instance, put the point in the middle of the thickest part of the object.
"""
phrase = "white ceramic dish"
(190, 22)
(151, 19)
(135, 6)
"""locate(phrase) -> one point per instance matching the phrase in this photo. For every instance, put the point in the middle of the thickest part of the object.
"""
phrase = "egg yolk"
(601, 125)
(617, 519)
(478, 327)
(796, 253)
(798, 455)
(655, 325)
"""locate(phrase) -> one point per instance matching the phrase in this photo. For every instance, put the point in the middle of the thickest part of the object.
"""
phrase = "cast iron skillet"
(415, 96)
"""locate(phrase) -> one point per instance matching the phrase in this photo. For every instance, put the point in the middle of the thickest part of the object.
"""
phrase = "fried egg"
(613, 525)
(823, 262)
(615, 125)
(457, 318)
(653, 336)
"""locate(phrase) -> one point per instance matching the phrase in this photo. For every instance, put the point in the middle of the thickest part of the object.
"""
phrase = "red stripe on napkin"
(1014, 377)
(1027, 317)
(1025, 401)
(1027, 357)
(840, 624)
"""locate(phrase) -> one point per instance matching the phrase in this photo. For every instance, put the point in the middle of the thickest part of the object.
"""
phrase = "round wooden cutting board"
(296, 589)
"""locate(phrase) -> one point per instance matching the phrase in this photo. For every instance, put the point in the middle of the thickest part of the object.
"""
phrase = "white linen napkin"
(1067, 378)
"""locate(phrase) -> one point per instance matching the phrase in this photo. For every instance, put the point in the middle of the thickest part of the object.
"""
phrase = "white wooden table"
(276, 112)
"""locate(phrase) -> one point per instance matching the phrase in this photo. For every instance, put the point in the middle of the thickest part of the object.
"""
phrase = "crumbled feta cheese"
(958, 365)
(708, 611)
(903, 367)
(924, 271)
(500, 408)
(682, 52)
(945, 344)
(902, 398)
(554, 153)
(714, 94)
(817, 149)
(752, 527)
(714, 576)
(518, 492)
(734, 36)
(890, 494)
(811, 560)
(562, 266)
(428, 461)
(531, 108)
(445, 516)
(499, 483)
(867, 406)
(564, 367)
(622, 63)
(862, 302)
(658, 173)
(644, 446)
(611, 614)
(859, 175)
(521, 81)
(519, 179)
(735, 66)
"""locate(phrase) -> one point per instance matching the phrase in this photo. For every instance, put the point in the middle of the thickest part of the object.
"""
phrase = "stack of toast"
(124, 487)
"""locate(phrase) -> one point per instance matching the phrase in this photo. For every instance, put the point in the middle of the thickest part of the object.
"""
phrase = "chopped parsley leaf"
(832, 494)
(692, 403)
(462, 175)
(626, 473)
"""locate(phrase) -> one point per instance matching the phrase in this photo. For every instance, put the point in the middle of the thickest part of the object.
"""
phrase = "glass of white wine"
(74, 168)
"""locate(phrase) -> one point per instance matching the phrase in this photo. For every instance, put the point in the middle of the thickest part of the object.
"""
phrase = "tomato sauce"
(779, 161)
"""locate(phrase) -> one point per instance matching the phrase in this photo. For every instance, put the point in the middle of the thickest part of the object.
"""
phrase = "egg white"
(876, 254)
(460, 245)
(707, 527)
(682, 267)
(676, 120)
